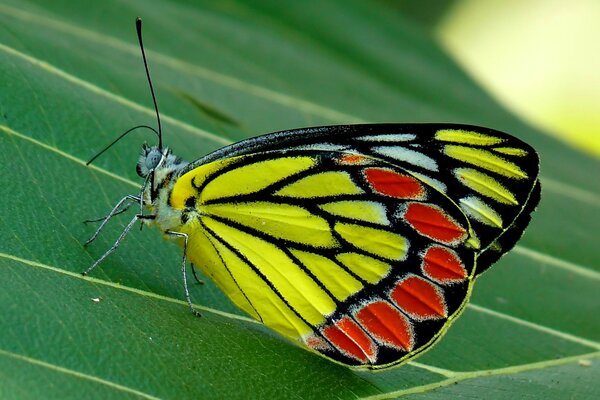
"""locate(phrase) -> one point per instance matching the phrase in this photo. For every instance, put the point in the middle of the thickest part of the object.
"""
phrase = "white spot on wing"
(407, 155)
(477, 209)
(434, 183)
(323, 146)
(398, 137)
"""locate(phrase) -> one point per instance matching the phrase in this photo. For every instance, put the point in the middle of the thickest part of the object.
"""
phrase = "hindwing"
(353, 256)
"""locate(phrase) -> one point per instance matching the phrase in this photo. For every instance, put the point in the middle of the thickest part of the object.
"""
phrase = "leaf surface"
(72, 80)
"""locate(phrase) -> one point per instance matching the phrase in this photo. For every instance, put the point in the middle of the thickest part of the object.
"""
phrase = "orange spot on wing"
(431, 221)
(419, 298)
(352, 159)
(387, 324)
(394, 184)
(443, 265)
(351, 340)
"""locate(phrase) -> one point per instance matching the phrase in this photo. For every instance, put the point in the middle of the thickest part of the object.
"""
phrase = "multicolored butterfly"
(362, 242)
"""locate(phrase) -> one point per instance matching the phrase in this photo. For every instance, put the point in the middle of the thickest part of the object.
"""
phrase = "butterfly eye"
(149, 160)
(153, 158)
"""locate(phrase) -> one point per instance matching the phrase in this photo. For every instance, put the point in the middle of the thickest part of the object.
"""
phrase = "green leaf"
(72, 80)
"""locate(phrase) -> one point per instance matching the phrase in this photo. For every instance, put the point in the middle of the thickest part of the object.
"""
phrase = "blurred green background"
(540, 58)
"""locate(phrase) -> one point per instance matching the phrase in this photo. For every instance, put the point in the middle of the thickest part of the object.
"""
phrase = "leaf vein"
(214, 76)
(111, 96)
(76, 374)
(537, 327)
(126, 288)
(462, 376)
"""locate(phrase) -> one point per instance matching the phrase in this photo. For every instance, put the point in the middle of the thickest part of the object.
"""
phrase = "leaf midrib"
(493, 313)
(452, 376)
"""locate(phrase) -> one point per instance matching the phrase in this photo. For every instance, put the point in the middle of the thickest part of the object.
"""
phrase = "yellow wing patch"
(485, 184)
(266, 306)
(485, 159)
(360, 210)
(339, 282)
(207, 254)
(372, 240)
(467, 137)
(253, 177)
(479, 210)
(185, 186)
(280, 220)
(365, 267)
(299, 290)
(322, 184)
(511, 151)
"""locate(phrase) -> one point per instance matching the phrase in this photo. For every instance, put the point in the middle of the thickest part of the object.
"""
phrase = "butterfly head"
(153, 158)
(157, 166)
(150, 159)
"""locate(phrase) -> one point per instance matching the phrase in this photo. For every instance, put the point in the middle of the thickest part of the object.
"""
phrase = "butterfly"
(361, 242)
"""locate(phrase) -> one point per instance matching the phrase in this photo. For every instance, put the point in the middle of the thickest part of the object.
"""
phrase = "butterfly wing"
(351, 255)
(492, 176)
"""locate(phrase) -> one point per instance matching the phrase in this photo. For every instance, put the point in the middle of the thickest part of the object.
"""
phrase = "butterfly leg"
(129, 199)
(89, 221)
(112, 214)
(200, 281)
(115, 245)
(183, 269)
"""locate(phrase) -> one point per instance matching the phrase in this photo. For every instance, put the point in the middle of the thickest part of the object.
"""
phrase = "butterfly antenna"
(121, 136)
(138, 26)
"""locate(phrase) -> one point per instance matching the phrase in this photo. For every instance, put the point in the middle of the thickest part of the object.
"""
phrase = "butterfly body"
(362, 242)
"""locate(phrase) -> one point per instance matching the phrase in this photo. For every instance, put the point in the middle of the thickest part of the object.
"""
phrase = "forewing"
(492, 176)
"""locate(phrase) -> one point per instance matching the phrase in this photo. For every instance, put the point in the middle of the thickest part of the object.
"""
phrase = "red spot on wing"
(443, 265)
(419, 298)
(394, 184)
(352, 159)
(387, 324)
(351, 340)
(431, 221)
